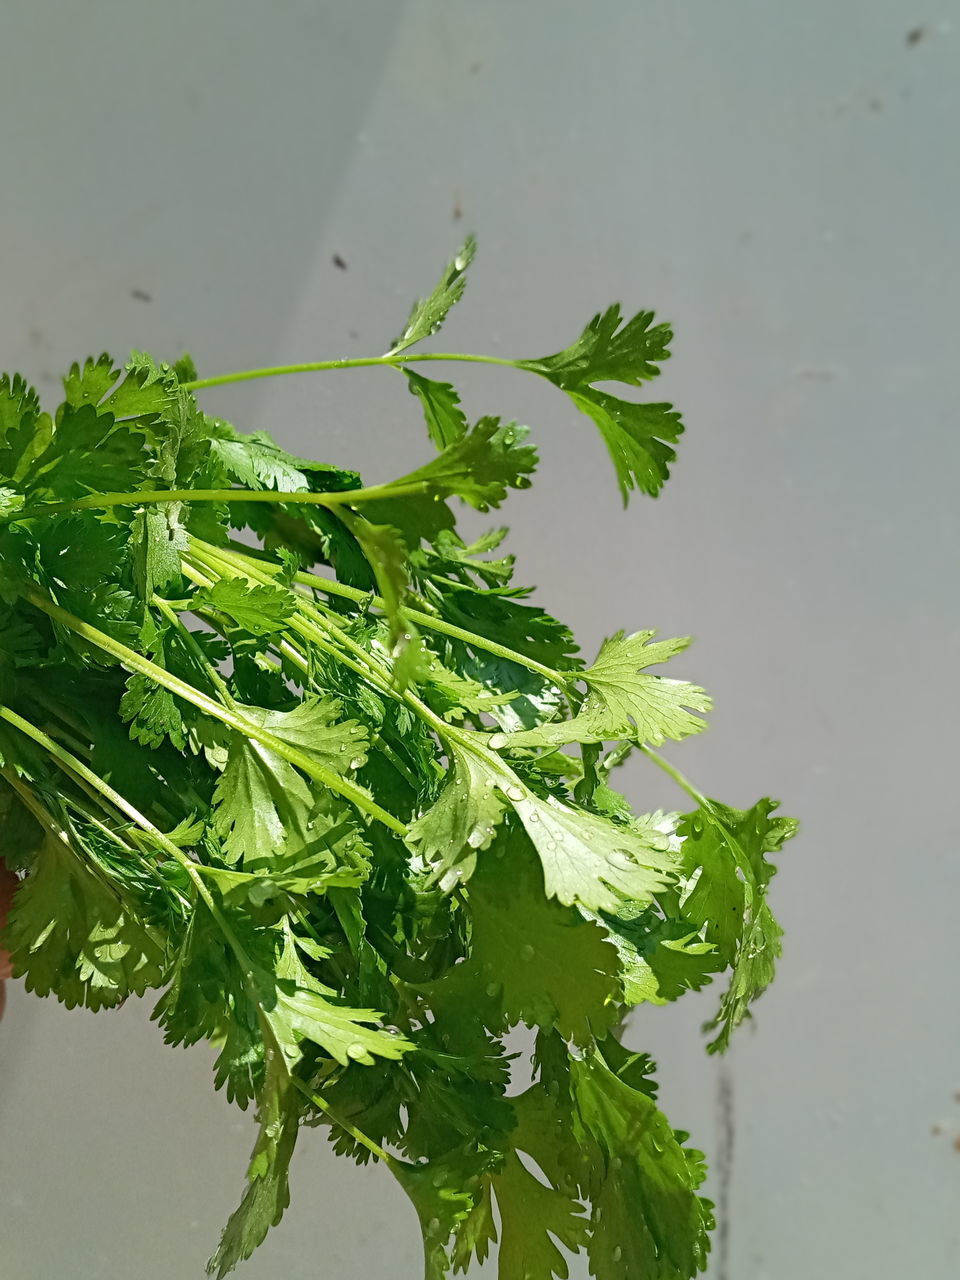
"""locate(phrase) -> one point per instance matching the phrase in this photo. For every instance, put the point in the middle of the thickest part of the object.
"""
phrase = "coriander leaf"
(158, 541)
(552, 967)
(724, 860)
(532, 1216)
(268, 1191)
(444, 1193)
(660, 959)
(261, 610)
(591, 861)
(333, 856)
(464, 818)
(386, 554)
(480, 466)
(647, 1218)
(445, 420)
(260, 797)
(88, 453)
(152, 713)
(607, 352)
(70, 933)
(302, 1014)
(623, 702)
(475, 1233)
(537, 1209)
(142, 392)
(428, 314)
(256, 462)
(638, 436)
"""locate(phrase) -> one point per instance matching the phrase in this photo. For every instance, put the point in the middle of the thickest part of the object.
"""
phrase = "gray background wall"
(781, 181)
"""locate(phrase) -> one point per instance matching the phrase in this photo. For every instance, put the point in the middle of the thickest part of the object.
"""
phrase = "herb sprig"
(355, 824)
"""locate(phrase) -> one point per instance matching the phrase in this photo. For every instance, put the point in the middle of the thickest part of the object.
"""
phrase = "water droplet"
(343, 746)
(475, 839)
(533, 816)
(526, 951)
(598, 1213)
(357, 1051)
(515, 793)
(433, 1226)
(496, 741)
(356, 762)
(616, 1163)
(491, 989)
(617, 1254)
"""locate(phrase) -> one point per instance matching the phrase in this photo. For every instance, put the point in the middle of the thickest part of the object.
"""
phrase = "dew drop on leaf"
(526, 951)
(356, 1051)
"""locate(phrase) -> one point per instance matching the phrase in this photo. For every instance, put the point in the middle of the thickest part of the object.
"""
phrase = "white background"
(779, 180)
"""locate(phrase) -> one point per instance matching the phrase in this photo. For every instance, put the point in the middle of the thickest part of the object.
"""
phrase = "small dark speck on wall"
(475, 67)
(141, 295)
(339, 262)
(915, 35)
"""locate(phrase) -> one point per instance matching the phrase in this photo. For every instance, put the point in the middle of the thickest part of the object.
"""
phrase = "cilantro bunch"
(284, 748)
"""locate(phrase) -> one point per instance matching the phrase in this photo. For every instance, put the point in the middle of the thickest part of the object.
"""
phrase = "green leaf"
(259, 797)
(256, 462)
(593, 862)
(332, 856)
(552, 968)
(261, 610)
(609, 350)
(152, 713)
(638, 436)
(647, 1219)
(72, 935)
(724, 862)
(445, 420)
(428, 314)
(660, 959)
(158, 542)
(533, 1216)
(623, 702)
(480, 466)
(268, 1191)
(444, 1194)
(143, 391)
(386, 554)
(463, 820)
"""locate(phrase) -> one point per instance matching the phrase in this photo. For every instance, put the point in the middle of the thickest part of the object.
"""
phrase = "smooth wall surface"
(782, 182)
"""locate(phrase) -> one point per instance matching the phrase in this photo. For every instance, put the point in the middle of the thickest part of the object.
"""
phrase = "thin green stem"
(74, 767)
(51, 824)
(422, 619)
(357, 1134)
(678, 777)
(353, 362)
(228, 716)
(155, 497)
(189, 642)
